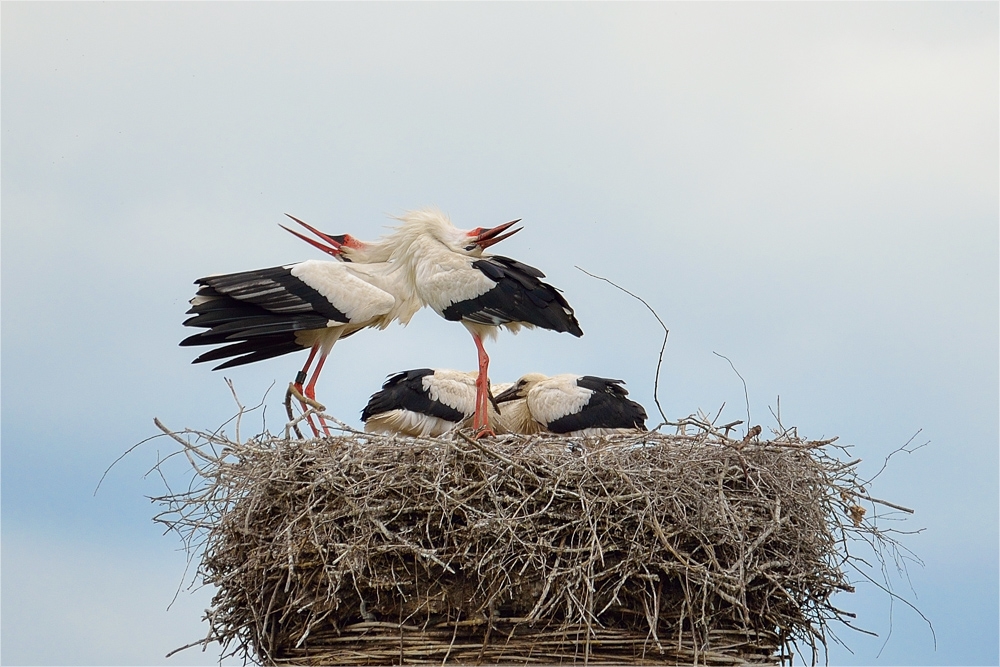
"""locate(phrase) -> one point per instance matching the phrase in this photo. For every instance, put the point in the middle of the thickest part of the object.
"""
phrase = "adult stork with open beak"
(264, 313)
(450, 273)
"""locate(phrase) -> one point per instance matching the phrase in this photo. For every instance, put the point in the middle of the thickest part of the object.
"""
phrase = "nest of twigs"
(646, 549)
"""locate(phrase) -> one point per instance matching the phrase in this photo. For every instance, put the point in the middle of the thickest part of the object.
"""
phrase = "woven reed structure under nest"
(363, 549)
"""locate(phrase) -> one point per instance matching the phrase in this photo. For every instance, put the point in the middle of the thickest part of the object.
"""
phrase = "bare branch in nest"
(663, 347)
(630, 549)
(751, 434)
(746, 393)
(905, 448)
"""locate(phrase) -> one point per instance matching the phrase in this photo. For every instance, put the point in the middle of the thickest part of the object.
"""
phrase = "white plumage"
(424, 402)
(354, 289)
(514, 415)
(570, 404)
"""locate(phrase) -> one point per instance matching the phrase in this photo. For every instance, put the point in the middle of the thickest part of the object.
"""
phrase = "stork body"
(311, 305)
(483, 292)
(423, 402)
(575, 404)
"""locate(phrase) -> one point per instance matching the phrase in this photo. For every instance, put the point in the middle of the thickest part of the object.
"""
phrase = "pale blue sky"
(809, 189)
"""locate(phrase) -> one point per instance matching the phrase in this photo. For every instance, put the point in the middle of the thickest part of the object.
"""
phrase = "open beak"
(332, 249)
(509, 395)
(490, 236)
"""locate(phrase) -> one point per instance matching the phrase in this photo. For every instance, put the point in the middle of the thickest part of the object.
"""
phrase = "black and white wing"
(256, 314)
(409, 390)
(608, 407)
(514, 293)
(421, 402)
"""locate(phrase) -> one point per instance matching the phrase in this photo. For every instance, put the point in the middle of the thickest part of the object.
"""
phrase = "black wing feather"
(608, 407)
(258, 313)
(275, 290)
(519, 296)
(405, 391)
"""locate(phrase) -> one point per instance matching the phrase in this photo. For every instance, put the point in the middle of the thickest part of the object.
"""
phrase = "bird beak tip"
(494, 235)
(332, 249)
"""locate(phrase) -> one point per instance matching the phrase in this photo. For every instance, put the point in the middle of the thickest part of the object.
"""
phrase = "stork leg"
(310, 390)
(297, 385)
(301, 377)
(481, 421)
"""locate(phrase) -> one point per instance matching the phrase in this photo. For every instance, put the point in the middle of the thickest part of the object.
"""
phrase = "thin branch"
(123, 455)
(746, 393)
(666, 333)
(905, 448)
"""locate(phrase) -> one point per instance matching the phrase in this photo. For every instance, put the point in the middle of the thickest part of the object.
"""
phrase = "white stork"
(311, 305)
(266, 313)
(424, 402)
(447, 269)
(573, 404)
(483, 292)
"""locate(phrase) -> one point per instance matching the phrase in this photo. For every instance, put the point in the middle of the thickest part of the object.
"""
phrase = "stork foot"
(307, 399)
(484, 432)
(310, 399)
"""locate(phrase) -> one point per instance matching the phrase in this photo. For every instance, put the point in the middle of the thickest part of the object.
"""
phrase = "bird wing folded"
(407, 391)
(518, 296)
(607, 408)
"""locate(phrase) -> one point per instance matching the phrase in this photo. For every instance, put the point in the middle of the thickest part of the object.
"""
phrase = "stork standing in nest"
(447, 270)
(264, 313)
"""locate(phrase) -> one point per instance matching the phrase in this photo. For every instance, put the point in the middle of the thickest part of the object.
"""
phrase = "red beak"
(484, 239)
(332, 249)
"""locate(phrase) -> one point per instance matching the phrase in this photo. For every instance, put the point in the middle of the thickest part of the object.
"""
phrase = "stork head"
(521, 387)
(481, 238)
(435, 224)
(341, 246)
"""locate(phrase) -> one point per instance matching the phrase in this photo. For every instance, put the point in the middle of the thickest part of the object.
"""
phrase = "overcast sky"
(808, 189)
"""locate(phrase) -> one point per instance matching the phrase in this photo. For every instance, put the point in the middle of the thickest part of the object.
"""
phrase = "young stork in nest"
(425, 402)
(448, 271)
(571, 404)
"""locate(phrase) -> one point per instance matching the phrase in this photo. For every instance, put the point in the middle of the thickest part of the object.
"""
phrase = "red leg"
(310, 389)
(481, 423)
(299, 379)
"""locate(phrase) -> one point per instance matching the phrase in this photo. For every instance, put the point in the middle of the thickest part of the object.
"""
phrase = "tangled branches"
(653, 548)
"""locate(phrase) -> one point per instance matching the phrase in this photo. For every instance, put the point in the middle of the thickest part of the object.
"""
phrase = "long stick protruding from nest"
(663, 347)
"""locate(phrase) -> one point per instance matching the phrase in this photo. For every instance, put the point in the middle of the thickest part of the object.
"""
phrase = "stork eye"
(470, 247)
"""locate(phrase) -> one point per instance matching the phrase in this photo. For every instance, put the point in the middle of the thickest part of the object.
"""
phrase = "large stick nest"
(653, 548)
